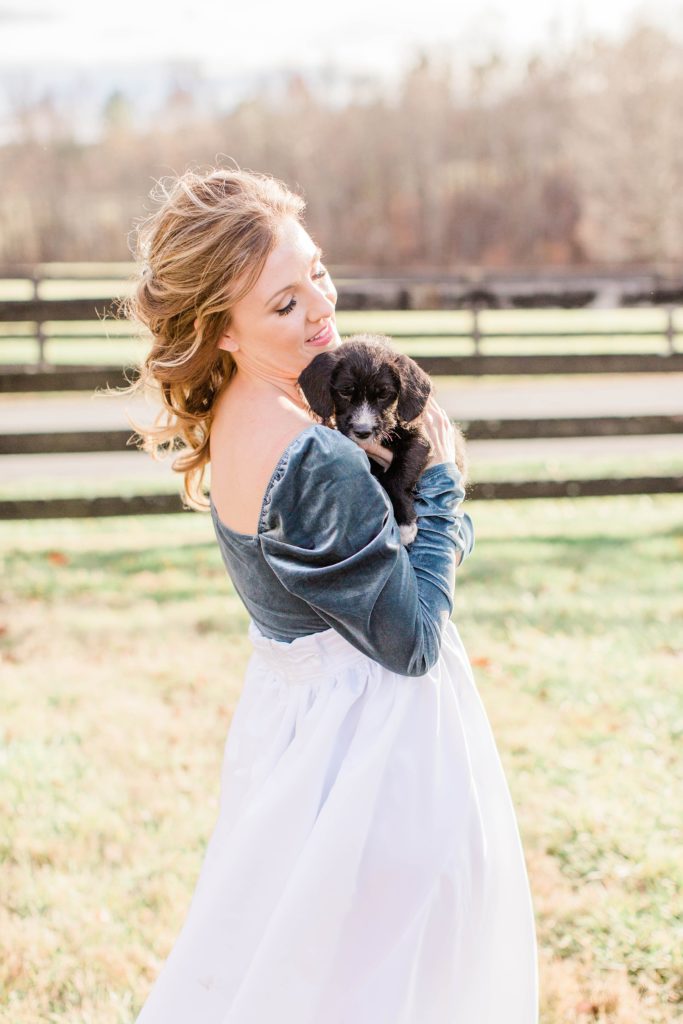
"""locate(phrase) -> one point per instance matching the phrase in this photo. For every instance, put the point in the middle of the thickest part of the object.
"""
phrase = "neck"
(267, 379)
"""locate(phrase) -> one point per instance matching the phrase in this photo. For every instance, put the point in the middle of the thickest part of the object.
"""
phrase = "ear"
(227, 344)
(315, 381)
(416, 388)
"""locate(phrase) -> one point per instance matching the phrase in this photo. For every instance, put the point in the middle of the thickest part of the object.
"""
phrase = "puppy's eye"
(346, 395)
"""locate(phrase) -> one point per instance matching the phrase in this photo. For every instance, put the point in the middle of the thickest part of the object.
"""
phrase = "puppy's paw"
(408, 533)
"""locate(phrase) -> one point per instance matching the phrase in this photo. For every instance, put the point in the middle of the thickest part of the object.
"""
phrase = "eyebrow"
(316, 256)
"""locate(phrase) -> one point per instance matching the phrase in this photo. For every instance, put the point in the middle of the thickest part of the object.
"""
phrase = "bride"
(366, 865)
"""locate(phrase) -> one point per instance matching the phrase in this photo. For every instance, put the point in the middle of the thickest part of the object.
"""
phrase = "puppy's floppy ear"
(416, 388)
(315, 381)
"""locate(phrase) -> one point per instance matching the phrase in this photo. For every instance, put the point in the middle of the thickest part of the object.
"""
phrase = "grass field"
(122, 650)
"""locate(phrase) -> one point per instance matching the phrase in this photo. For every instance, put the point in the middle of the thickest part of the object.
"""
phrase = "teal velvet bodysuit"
(328, 553)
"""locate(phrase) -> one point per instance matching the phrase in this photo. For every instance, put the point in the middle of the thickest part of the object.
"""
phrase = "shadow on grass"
(560, 571)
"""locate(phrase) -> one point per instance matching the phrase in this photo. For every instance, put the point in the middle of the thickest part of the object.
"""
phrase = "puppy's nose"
(362, 433)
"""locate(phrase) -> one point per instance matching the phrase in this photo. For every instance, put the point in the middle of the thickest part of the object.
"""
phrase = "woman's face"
(292, 301)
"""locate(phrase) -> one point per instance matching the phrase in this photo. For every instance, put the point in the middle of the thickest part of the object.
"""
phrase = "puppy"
(375, 394)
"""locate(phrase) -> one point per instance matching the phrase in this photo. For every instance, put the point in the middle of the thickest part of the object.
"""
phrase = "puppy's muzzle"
(363, 422)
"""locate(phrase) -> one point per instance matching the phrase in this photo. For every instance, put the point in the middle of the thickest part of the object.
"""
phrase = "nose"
(362, 433)
(324, 304)
(322, 309)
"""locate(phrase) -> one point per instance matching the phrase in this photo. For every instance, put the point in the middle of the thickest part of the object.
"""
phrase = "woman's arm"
(331, 538)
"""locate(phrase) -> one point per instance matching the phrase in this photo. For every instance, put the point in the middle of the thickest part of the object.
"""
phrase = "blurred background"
(486, 136)
(500, 189)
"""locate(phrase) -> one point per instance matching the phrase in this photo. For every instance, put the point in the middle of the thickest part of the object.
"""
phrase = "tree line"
(575, 158)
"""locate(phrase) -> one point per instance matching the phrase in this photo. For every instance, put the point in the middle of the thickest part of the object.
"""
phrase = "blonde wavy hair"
(198, 254)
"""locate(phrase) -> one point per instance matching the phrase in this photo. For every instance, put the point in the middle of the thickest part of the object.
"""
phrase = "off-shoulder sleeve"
(330, 535)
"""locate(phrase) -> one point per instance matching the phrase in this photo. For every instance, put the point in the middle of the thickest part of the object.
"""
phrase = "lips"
(323, 337)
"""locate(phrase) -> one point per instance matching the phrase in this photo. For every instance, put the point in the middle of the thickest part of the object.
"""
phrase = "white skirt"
(366, 865)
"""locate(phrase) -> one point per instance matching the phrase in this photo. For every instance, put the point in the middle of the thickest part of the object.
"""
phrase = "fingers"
(434, 408)
(440, 431)
(385, 455)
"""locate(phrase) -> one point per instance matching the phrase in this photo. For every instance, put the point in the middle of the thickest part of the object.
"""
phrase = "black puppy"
(374, 394)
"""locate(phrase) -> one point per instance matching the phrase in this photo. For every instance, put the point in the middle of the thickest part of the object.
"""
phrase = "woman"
(366, 865)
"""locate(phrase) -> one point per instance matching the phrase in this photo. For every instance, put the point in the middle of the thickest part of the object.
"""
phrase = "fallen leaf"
(57, 558)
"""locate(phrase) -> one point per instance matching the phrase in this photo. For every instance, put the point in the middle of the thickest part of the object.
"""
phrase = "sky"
(245, 36)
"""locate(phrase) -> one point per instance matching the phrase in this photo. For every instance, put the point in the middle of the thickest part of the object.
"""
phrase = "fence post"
(40, 331)
(476, 331)
(670, 331)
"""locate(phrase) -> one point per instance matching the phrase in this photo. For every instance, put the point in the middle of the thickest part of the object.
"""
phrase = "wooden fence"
(44, 376)
(389, 294)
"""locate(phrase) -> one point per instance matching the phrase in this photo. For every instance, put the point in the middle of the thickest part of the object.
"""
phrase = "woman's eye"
(286, 309)
(292, 303)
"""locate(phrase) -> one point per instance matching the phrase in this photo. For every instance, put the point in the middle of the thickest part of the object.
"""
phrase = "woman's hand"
(440, 431)
(377, 452)
(442, 436)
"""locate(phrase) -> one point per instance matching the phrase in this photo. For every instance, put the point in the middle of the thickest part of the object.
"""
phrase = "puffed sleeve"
(330, 535)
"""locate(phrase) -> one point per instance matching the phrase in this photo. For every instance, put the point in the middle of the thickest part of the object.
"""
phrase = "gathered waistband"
(307, 657)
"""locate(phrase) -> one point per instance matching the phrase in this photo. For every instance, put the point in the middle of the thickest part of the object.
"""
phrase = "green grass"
(123, 647)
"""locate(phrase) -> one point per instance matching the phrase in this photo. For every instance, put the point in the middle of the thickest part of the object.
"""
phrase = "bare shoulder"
(246, 444)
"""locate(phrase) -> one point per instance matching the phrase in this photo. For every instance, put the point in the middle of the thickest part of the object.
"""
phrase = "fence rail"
(23, 379)
(161, 504)
(71, 442)
(359, 296)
